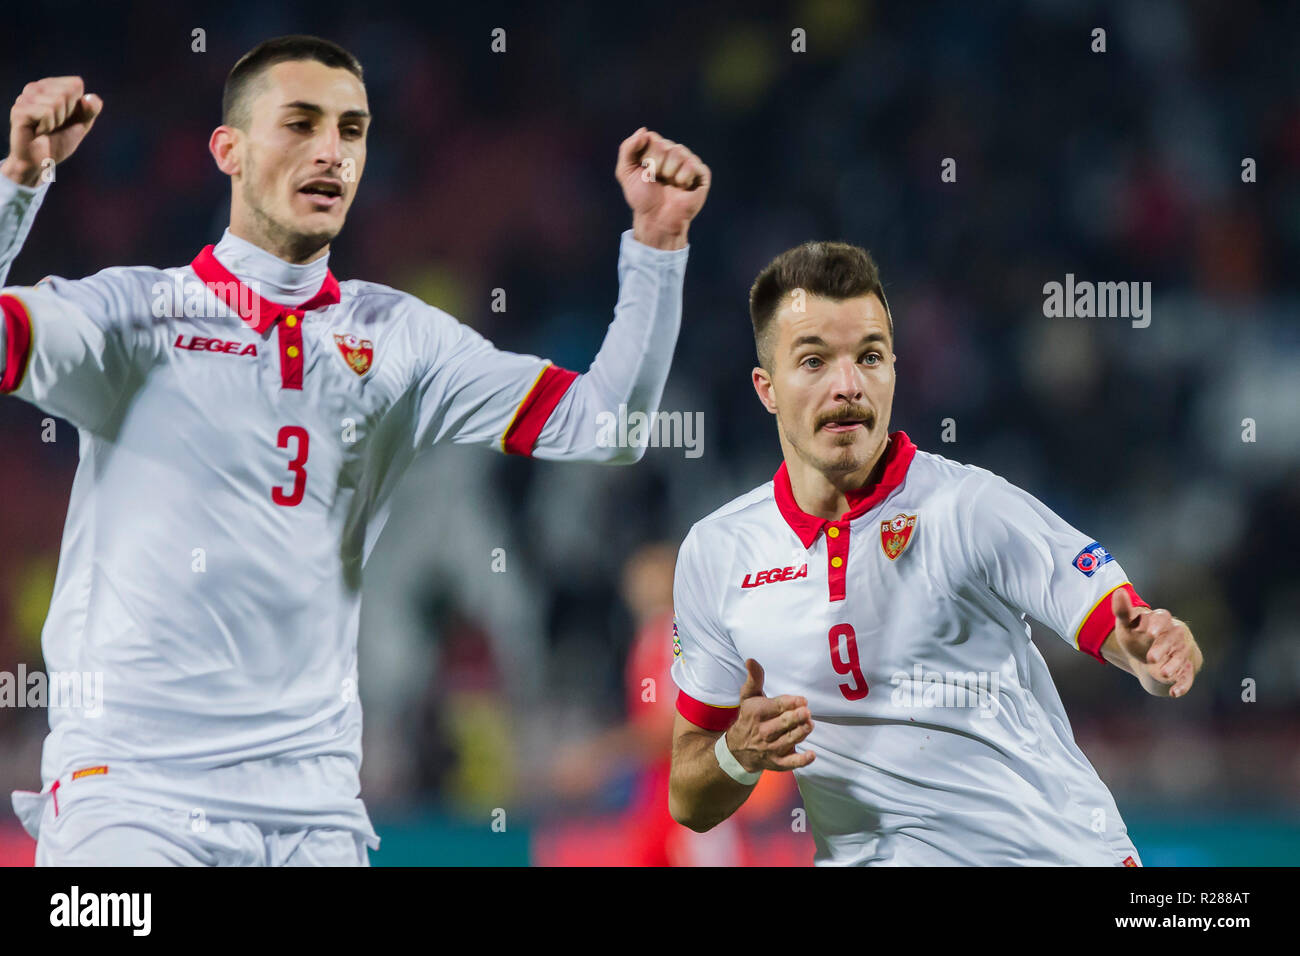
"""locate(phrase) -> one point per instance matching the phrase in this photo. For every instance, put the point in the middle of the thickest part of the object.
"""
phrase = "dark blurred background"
(507, 717)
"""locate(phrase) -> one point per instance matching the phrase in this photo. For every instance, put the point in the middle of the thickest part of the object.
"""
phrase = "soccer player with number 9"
(888, 662)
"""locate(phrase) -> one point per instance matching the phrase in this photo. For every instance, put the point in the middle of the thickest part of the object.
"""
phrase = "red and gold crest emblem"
(358, 353)
(896, 534)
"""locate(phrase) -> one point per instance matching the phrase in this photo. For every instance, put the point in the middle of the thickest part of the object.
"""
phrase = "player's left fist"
(1158, 642)
(665, 184)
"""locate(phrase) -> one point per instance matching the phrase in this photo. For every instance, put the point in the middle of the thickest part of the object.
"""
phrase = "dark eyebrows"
(808, 340)
(313, 108)
(819, 341)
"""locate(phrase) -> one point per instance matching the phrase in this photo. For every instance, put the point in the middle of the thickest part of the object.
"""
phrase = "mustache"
(846, 414)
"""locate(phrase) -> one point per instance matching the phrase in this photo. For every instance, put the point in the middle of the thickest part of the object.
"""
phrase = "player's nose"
(847, 381)
(329, 147)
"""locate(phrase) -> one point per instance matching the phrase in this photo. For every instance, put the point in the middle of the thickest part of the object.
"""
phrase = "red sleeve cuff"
(536, 408)
(1100, 622)
(705, 715)
(18, 342)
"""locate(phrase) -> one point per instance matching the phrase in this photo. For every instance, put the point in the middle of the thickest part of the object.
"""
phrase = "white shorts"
(106, 830)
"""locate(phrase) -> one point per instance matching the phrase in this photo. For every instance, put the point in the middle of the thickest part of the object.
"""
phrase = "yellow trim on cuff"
(527, 395)
(1092, 611)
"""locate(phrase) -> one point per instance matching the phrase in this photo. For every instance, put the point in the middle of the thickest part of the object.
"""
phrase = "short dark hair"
(243, 75)
(832, 270)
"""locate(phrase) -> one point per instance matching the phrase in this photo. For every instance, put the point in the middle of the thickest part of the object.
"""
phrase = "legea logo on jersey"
(199, 344)
(1091, 558)
(357, 352)
(754, 578)
(677, 641)
(896, 534)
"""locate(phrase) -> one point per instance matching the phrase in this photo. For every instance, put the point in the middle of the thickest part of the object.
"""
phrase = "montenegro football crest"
(896, 534)
(358, 353)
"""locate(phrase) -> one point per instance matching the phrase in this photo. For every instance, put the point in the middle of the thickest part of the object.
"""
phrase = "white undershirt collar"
(281, 282)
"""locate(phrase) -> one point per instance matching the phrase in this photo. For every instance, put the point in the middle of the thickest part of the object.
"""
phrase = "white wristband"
(731, 766)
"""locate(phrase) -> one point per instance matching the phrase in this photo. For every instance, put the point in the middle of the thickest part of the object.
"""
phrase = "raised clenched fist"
(664, 183)
(48, 121)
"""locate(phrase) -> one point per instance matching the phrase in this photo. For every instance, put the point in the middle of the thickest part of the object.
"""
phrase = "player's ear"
(763, 386)
(222, 145)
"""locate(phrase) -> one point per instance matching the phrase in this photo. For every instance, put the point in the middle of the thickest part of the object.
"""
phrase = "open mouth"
(322, 193)
(847, 425)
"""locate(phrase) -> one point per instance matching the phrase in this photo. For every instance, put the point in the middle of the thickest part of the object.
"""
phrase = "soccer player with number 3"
(860, 619)
(243, 421)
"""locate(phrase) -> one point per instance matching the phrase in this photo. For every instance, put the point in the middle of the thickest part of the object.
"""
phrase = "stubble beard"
(278, 238)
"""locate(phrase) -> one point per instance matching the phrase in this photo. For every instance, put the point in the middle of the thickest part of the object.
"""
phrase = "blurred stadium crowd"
(523, 688)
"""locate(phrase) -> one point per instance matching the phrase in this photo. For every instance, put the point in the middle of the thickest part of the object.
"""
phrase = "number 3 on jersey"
(844, 658)
(295, 466)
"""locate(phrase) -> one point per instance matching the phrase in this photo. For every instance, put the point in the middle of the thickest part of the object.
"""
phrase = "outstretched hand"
(1158, 641)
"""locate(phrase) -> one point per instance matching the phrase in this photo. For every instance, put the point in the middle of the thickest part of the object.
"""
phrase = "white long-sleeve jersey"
(237, 460)
(939, 736)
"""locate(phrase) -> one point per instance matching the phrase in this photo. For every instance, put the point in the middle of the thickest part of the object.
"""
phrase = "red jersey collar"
(225, 286)
(898, 456)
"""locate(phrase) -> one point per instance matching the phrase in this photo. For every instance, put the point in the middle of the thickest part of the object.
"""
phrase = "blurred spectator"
(644, 742)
